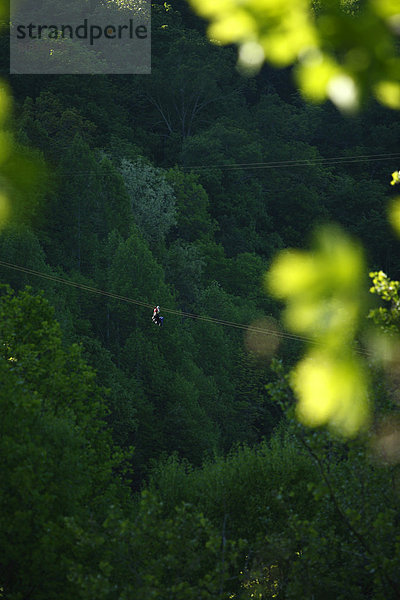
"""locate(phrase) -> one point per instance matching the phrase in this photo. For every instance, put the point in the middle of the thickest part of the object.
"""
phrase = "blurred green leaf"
(343, 50)
(324, 293)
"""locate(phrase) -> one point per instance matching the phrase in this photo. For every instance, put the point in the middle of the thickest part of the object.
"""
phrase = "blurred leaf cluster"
(324, 294)
(341, 49)
(22, 170)
(4, 150)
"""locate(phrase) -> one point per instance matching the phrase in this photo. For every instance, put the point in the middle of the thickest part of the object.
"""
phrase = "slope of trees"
(140, 462)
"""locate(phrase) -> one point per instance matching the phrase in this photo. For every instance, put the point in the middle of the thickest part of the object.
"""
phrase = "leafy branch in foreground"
(341, 49)
(324, 294)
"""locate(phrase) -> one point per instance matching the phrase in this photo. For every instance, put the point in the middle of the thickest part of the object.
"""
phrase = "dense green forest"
(166, 463)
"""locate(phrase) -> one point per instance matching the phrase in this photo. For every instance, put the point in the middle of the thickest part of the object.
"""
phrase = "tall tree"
(75, 210)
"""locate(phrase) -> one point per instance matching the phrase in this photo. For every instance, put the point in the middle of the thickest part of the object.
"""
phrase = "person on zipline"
(157, 318)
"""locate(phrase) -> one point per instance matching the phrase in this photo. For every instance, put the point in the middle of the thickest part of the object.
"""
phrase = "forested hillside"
(144, 462)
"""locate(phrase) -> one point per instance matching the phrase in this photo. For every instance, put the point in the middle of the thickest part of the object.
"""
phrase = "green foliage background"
(147, 463)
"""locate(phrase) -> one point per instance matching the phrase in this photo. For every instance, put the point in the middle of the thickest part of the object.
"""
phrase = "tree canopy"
(249, 448)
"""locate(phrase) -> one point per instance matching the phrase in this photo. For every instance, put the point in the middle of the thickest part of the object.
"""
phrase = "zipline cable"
(280, 164)
(300, 162)
(180, 313)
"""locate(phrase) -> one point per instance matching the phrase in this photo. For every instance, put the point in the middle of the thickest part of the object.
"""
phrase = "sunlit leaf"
(386, 8)
(5, 151)
(341, 50)
(235, 26)
(291, 273)
(4, 102)
(331, 391)
(343, 91)
(394, 211)
(388, 92)
(251, 57)
(314, 74)
(323, 290)
(395, 178)
(4, 209)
